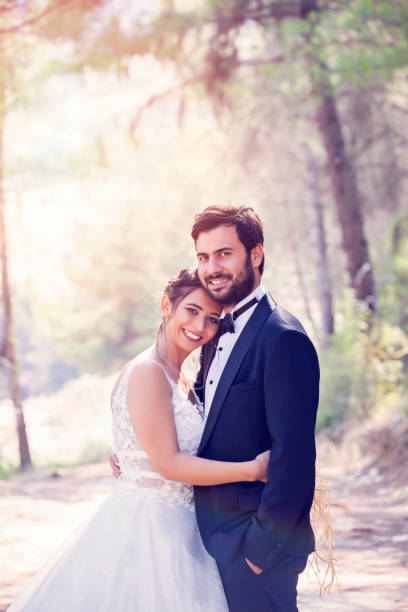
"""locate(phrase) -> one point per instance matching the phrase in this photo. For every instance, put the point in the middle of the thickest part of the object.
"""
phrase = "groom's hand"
(114, 463)
(254, 568)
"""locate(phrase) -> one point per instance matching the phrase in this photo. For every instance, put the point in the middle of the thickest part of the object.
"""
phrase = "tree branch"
(160, 96)
(399, 108)
(32, 20)
(262, 61)
(369, 142)
(280, 10)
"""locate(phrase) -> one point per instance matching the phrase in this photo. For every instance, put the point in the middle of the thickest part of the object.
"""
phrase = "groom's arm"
(291, 391)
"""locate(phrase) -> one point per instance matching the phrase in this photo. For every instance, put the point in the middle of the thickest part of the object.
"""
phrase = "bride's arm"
(151, 413)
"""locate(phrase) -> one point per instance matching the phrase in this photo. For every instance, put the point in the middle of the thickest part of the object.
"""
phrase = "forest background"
(119, 121)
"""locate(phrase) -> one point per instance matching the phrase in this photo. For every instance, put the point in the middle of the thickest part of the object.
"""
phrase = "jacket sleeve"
(291, 391)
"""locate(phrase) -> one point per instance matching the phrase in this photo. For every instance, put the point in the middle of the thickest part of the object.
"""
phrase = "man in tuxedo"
(259, 380)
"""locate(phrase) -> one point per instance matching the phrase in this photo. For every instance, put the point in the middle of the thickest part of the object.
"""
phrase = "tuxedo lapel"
(258, 317)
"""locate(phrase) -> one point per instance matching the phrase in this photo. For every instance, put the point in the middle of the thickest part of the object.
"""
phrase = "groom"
(259, 380)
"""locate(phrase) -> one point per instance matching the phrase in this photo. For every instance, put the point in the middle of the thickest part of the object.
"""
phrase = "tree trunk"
(299, 273)
(323, 276)
(344, 182)
(324, 288)
(9, 348)
(347, 199)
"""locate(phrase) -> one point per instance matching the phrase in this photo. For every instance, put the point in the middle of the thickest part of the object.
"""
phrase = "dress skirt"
(137, 554)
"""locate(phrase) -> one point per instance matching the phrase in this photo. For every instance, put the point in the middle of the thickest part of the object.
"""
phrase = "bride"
(142, 550)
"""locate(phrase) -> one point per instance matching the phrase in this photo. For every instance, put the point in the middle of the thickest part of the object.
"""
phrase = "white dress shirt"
(225, 345)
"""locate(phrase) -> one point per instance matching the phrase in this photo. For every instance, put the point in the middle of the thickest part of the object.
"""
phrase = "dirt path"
(39, 513)
(371, 532)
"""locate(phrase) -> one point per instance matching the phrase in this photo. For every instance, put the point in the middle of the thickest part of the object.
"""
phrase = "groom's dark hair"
(243, 218)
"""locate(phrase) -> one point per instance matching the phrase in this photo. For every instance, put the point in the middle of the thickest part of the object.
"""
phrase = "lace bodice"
(138, 475)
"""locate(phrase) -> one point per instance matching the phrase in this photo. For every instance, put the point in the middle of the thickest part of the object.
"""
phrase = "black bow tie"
(227, 322)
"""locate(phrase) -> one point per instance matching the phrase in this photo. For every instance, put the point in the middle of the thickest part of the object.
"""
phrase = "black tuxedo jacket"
(266, 398)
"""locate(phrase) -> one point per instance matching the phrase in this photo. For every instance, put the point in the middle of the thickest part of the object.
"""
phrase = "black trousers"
(274, 590)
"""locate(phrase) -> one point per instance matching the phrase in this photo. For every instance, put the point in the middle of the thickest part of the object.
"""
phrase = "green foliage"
(360, 66)
(112, 311)
(94, 451)
(7, 469)
(400, 248)
(364, 13)
(363, 368)
(394, 275)
(375, 41)
(366, 366)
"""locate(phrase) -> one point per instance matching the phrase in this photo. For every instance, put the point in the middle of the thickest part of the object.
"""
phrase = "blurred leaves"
(362, 372)
(366, 367)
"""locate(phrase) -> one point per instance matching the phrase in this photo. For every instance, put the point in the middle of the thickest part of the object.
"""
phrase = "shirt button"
(220, 348)
(211, 382)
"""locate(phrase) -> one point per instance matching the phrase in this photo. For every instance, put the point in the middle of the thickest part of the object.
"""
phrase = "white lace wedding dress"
(142, 551)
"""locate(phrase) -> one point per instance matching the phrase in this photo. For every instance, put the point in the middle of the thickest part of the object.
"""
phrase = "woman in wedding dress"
(142, 551)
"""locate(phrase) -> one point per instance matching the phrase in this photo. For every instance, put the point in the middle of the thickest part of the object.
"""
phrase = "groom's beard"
(241, 287)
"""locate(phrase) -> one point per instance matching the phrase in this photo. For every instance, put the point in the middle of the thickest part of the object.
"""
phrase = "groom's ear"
(257, 254)
(165, 306)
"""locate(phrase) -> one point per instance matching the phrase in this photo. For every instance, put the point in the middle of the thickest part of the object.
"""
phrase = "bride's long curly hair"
(322, 561)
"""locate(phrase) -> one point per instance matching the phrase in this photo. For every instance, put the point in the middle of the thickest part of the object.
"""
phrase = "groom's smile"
(218, 283)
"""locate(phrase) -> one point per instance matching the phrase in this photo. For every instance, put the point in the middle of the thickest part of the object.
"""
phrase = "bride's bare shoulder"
(148, 389)
(143, 369)
(146, 374)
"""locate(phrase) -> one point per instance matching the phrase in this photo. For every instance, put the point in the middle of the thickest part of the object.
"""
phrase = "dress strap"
(171, 381)
(121, 384)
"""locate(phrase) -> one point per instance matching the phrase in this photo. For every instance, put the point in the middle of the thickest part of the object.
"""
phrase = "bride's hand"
(261, 462)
